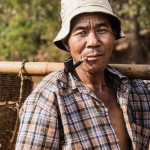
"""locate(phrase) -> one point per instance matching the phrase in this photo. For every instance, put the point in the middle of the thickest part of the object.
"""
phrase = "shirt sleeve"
(38, 126)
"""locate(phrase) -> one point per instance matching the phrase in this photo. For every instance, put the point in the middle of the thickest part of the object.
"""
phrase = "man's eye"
(81, 33)
(104, 30)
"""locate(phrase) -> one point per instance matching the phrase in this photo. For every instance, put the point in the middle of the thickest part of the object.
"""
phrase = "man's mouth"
(94, 57)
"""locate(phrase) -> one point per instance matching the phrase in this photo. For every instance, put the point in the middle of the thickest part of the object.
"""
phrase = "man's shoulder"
(140, 85)
(43, 94)
(47, 86)
(54, 75)
(137, 84)
(49, 81)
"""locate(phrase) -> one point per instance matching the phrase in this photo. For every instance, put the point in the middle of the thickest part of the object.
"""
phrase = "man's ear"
(65, 43)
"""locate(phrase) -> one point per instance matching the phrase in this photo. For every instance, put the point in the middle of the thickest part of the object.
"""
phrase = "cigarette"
(83, 59)
(80, 62)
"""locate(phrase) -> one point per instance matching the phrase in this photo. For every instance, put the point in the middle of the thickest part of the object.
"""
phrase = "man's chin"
(96, 68)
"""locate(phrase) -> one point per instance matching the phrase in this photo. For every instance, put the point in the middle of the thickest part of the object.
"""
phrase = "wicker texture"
(9, 96)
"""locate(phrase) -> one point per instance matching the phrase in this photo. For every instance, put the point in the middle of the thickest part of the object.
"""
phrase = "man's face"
(91, 36)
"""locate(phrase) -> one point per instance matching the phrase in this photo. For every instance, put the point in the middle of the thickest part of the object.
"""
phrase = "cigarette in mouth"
(80, 62)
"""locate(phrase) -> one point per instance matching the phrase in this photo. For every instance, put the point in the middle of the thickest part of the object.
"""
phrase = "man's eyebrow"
(79, 28)
(104, 24)
(82, 27)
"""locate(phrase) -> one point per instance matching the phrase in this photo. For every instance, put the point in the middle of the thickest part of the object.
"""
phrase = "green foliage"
(137, 8)
(27, 26)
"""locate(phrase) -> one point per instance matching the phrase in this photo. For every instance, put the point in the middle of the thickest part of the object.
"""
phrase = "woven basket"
(9, 95)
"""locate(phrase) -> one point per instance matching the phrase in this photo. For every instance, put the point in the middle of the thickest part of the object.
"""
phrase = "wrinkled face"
(91, 36)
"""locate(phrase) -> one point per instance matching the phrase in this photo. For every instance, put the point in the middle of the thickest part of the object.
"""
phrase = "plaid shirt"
(61, 114)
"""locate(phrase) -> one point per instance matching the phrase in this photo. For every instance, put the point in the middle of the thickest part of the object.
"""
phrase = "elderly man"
(89, 105)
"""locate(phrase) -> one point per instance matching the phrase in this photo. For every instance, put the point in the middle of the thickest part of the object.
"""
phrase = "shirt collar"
(115, 73)
(68, 80)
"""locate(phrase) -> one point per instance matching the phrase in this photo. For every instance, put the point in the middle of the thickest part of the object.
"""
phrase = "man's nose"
(93, 40)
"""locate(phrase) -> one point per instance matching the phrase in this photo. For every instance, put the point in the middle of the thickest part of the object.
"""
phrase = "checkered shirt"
(60, 114)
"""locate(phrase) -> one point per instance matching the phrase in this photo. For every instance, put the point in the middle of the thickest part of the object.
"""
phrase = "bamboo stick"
(43, 68)
(134, 71)
(30, 68)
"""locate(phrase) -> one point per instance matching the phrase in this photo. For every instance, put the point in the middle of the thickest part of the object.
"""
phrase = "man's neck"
(93, 81)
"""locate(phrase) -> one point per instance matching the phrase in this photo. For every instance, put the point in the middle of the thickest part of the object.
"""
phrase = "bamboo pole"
(43, 68)
(30, 68)
(134, 71)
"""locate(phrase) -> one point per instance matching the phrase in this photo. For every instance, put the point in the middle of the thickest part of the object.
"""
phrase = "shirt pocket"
(141, 137)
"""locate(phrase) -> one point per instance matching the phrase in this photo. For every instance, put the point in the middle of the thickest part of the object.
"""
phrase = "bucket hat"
(72, 8)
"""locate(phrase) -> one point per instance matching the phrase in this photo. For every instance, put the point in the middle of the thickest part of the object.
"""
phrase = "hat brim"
(65, 29)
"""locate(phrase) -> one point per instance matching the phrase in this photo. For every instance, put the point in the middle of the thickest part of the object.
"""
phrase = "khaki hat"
(72, 8)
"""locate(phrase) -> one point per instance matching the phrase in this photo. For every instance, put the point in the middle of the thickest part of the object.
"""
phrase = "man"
(92, 106)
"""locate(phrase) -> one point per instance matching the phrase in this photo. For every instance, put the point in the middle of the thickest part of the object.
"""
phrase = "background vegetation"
(28, 27)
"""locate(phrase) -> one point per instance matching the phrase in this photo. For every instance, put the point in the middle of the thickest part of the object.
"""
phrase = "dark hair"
(115, 25)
